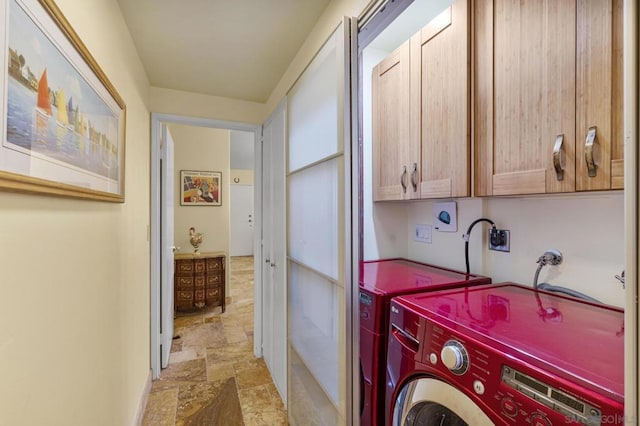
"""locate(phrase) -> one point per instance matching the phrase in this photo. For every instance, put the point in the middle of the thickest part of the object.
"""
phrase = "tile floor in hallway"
(212, 377)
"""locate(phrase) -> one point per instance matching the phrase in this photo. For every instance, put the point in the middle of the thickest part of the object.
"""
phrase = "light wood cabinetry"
(440, 90)
(390, 117)
(420, 96)
(599, 93)
(199, 280)
(545, 73)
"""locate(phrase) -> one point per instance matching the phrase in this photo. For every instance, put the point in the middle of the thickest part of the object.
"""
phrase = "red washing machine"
(381, 280)
(504, 354)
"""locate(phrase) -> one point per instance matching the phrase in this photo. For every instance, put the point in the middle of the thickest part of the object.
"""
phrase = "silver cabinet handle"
(592, 151)
(175, 248)
(403, 177)
(267, 260)
(273, 265)
(414, 177)
(559, 160)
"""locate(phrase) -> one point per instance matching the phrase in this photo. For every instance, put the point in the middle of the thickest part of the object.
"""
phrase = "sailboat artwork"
(64, 120)
(44, 105)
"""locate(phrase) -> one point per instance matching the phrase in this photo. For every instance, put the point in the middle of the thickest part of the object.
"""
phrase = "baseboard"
(143, 400)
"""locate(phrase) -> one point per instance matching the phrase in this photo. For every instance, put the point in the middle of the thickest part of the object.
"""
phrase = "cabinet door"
(524, 69)
(440, 103)
(390, 117)
(599, 95)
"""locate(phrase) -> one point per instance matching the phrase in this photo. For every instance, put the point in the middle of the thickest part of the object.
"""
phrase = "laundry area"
(492, 273)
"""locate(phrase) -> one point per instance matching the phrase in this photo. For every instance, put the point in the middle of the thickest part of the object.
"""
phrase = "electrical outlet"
(499, 239)
(422, 234)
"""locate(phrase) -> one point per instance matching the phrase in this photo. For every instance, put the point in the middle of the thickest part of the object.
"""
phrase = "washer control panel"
(455, 357)
(565, 404)
(513, 390)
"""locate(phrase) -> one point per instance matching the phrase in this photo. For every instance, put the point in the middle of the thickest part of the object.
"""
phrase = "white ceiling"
(235, 48)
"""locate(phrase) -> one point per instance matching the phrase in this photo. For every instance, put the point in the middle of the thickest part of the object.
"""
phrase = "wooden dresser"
(199, 280)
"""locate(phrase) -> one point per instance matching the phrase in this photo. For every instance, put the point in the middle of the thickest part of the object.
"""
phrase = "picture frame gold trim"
(96, 169)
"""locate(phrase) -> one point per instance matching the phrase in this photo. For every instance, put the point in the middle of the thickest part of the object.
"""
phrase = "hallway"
(212, 377)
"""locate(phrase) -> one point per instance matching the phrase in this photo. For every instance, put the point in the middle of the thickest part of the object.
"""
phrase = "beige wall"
(189, 104)
(206, 149)
(74, 311)
(328, 22)
(244, 177)
(588, 229)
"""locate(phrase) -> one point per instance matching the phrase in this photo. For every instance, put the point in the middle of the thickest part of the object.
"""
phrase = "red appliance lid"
(584, 340)
(398, 276)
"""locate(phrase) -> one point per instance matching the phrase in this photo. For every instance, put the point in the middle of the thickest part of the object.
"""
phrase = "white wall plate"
(445, 217)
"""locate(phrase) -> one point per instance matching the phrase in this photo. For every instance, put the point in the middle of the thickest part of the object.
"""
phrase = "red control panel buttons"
(539, 420)
(509, 407)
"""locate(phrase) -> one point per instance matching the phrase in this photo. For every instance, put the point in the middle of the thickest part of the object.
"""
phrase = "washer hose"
(466, 238)
(568, 291)
(554, 257)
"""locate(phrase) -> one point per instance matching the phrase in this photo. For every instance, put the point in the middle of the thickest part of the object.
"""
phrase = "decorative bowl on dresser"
(199, 280)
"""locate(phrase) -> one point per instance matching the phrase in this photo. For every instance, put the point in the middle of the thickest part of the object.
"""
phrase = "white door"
(241, 220)
(267, 252)
(167, 182)
(274, 295)
(319, 244)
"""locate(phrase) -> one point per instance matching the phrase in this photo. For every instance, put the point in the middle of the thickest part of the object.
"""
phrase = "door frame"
(166, 237)
(157, 119)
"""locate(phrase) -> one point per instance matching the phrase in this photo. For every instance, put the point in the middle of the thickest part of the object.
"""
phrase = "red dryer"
(381, 280)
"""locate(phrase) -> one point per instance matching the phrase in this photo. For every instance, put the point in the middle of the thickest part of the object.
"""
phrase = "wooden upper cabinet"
(599, 95)
(525, 96)
(545, 73)
(421, 116)
(390, 121)
(440, 90)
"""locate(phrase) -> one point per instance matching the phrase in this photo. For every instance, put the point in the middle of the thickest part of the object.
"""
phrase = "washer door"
(427, 401)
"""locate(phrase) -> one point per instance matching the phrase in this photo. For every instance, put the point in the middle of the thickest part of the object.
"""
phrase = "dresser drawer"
(184, 283)
(184, 267)
(214, 265)
(213, 296)
(184, 296)
(199, 281)
(199, 266)
(213, 292)
(214, 280)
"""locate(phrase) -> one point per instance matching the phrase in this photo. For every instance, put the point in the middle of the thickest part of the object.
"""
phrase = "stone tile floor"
(212, 377)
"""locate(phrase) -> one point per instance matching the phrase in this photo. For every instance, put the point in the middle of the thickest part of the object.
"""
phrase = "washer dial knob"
(454, 356)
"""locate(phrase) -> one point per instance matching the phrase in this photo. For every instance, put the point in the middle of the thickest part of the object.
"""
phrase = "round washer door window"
(428, 401)
(432, 414)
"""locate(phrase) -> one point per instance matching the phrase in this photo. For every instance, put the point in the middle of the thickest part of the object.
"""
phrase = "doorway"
(158, 238)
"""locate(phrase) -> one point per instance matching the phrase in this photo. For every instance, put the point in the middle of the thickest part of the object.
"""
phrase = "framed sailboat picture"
(63, 122)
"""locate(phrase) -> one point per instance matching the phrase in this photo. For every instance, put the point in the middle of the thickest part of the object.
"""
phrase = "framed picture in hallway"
(200, 188)
(62, 121)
